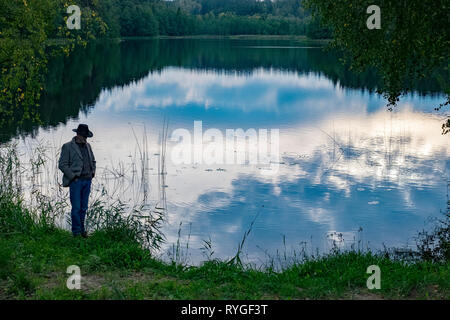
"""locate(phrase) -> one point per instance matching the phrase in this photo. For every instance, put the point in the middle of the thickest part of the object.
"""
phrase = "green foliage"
(316, 30)
(136, 20)
(189, 17)
(412, 44)
(25, 28)
(232, 24)
(6, 267)
(29, 30)
(434, 245)
(21, 284)
(282, 8)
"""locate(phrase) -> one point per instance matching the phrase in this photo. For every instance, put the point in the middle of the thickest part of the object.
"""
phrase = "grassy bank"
(34, 256)
(117, 261)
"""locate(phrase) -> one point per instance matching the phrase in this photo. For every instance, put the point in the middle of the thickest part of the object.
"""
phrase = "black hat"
(83, 130)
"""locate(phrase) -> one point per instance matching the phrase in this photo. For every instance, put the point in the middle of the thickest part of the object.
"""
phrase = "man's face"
(83, 138)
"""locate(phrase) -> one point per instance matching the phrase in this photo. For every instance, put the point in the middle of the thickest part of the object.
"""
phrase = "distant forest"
(31, 30)
(200, 17)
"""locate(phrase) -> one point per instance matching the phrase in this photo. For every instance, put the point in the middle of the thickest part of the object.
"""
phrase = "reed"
(126, 238)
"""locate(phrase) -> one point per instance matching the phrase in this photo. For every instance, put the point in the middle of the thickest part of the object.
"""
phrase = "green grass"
(34, 256)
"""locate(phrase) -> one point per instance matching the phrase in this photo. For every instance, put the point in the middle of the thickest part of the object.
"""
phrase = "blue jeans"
(79, 198)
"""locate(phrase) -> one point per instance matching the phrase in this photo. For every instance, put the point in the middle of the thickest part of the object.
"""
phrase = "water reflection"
(73, 84)
(346, 163)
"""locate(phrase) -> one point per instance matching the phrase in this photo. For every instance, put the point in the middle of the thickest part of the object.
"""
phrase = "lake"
(342, 169)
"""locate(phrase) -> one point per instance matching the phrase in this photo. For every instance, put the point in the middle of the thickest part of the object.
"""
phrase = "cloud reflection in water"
(346, 161)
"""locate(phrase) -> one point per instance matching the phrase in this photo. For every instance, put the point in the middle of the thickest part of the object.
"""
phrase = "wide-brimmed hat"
(83, 130)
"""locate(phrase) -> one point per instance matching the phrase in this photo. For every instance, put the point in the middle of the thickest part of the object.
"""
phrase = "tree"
(24, 50)
(412, 43)
(147, 25)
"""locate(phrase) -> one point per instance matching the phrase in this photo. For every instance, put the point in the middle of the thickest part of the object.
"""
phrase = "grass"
(116, 261)
(34, 257)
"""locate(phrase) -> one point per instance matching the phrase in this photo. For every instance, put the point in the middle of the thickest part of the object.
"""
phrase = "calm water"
(345, 162)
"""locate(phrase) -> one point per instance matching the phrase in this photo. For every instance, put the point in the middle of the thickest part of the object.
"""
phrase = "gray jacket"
(71, 161)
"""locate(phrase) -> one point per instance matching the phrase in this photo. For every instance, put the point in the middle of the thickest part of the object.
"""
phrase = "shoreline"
(35, 255)
(295, 38)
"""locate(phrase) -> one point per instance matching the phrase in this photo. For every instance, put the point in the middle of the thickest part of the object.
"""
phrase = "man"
(77, 162)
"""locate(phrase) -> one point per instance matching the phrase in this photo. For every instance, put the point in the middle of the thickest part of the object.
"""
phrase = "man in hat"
(77, 162)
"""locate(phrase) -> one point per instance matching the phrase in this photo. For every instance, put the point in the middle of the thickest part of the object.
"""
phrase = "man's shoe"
(84, 235)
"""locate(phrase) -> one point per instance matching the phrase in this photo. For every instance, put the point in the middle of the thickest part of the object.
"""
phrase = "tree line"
(116, 18)
(29, 30)
(206, 17)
